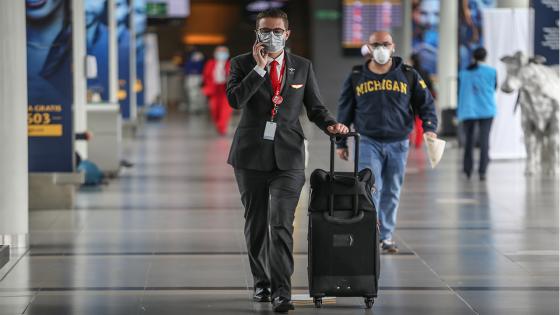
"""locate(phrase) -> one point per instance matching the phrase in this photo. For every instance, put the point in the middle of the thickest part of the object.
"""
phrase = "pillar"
(13, 125)
(78, 73)
(113, 53)
(447, 54)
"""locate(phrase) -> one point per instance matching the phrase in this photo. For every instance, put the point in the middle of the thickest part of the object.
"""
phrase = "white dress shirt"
(220, 72)
(279, 59)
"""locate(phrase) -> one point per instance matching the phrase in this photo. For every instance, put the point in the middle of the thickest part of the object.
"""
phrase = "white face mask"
(221, 55)
(272, 42)
(381, 55)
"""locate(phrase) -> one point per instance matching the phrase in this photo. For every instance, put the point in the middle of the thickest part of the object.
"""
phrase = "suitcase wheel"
(369, 302)
(317, 301)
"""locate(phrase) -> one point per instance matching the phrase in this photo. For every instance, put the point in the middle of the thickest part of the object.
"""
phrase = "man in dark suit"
(267, 152)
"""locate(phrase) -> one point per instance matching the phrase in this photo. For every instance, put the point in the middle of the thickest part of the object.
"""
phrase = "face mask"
(381, 55)
(197, 56)
(221, 56)
(273, 43)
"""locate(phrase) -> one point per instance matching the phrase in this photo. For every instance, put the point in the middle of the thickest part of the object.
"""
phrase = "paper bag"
(435, 149)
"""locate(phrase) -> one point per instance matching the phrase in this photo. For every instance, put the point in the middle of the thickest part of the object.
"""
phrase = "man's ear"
(288, 32)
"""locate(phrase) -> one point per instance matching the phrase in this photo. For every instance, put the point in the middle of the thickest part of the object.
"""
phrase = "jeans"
(484, 126)
(387, 160)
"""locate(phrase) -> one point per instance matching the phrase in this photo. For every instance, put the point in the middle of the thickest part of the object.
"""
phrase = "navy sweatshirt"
(382, 106)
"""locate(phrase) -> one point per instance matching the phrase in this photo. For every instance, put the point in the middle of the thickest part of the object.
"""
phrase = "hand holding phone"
(259, 53)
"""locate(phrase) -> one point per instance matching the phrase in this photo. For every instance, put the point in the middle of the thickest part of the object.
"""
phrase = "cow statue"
(539, 99)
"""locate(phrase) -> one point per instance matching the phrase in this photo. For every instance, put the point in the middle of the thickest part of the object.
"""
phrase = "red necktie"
(274, 76)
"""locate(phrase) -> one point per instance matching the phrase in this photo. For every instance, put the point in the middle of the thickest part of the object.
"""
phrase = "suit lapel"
(288, 74)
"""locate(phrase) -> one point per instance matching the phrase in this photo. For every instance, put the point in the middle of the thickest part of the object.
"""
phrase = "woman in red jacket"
(215, 76)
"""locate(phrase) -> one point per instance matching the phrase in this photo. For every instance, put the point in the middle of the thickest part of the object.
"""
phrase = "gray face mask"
(272, 42)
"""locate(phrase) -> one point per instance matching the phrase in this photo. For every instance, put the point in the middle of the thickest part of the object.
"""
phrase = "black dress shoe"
(261, 295)
(282, 305)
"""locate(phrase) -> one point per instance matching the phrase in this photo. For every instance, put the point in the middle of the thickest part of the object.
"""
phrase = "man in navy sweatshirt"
(381, 98)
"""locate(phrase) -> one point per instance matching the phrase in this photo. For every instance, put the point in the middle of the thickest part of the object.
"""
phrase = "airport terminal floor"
(166, 238)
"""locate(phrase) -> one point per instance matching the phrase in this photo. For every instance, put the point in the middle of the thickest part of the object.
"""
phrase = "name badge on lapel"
(269, 131)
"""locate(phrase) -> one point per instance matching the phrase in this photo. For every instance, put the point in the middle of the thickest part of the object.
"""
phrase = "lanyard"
(277, 98)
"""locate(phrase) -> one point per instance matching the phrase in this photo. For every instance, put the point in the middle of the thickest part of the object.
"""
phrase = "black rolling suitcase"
(343, 234)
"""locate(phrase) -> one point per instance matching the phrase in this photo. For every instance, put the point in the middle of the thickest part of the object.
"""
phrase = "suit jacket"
(247, 90)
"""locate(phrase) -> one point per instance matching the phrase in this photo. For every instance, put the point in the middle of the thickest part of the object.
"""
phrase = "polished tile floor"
(166, 238)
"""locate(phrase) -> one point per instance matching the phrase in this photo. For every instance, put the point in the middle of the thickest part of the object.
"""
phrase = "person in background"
(380, 98)
(215, 74)
(477, 106)
(193, 66)
(416, 137)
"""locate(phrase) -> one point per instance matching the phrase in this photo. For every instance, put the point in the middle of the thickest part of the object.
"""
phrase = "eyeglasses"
(268, 31)
(384, 44)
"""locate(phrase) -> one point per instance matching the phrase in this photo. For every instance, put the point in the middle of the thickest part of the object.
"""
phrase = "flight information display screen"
(360, 18)
(167, 8)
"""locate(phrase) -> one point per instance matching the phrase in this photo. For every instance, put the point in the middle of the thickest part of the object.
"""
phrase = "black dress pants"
(484, 126)
(270, 200)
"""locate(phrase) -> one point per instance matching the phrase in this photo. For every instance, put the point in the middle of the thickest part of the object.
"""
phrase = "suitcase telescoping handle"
(358, 215)
(356, 136)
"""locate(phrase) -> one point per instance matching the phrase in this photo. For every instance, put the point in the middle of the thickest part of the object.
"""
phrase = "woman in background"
(477, 107)
(214, 77)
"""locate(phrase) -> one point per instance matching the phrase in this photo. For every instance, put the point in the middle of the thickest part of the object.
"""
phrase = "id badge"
(269, 130)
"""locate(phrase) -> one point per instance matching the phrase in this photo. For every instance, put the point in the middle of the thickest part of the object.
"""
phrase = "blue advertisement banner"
(425, 33)
(471, 34)
(425, 38)
(140, 24)
(546, 30)
(123, 37)
(49, 84)
(97, 40)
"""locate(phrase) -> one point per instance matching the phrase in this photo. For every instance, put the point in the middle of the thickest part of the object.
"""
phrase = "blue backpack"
(155, 112)
(94, 176)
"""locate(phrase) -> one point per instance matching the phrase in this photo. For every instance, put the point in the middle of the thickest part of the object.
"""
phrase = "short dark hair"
(479, 54)
(273, 13)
